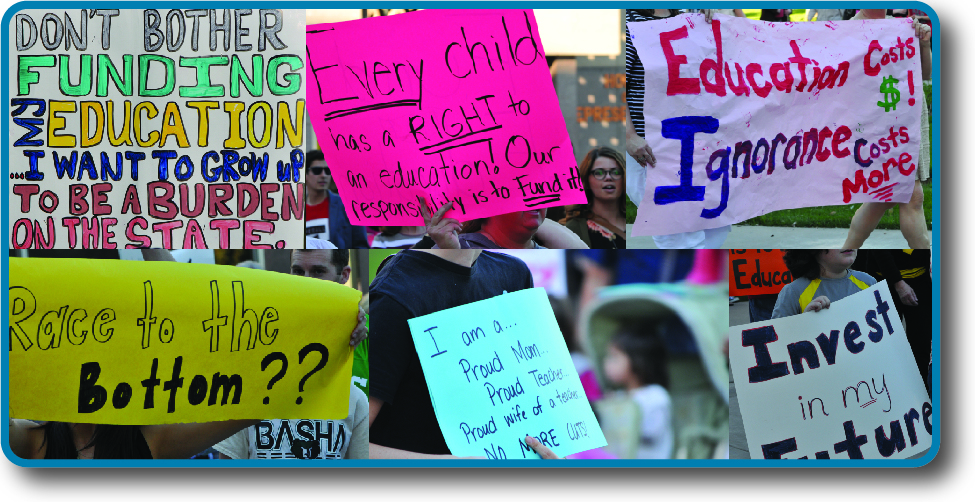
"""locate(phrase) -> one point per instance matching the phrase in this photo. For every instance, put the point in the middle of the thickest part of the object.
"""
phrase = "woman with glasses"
(601, 223)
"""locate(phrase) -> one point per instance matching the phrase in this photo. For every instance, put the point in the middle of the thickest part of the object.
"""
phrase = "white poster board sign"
(133, 128)
(839, 383)
(748, 117)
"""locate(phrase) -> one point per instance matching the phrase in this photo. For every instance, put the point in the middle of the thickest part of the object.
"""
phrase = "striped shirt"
(634, 70)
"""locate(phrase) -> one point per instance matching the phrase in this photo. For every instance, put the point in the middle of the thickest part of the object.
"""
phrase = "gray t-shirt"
(834, 289)
(322, 439)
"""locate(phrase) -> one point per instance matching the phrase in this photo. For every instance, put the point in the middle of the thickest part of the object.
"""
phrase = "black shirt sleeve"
(389, 340)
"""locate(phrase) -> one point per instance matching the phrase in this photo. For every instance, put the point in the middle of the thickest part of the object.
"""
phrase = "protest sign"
(498, 370)
(140, 128)
(839, 383)
(748, 117)
(446, 104)
(117, 342)
(758, 272)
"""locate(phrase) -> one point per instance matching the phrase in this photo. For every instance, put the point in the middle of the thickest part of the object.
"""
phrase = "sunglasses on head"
(601, 174)
(318, 170)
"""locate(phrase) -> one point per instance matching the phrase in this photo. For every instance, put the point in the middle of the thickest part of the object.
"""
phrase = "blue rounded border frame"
(376, 463)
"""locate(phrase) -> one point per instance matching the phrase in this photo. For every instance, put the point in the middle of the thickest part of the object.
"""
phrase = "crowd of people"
(598, 224)
(646, 329)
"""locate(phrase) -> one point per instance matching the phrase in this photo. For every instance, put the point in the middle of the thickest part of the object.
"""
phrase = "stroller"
(698, 377)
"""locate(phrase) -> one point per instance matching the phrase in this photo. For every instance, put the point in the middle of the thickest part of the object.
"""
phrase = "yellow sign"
(118, 342)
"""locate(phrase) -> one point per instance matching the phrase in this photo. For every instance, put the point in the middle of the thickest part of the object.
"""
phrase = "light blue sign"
(499, 370)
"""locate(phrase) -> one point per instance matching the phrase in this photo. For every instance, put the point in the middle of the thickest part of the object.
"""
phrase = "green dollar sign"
(891, 95)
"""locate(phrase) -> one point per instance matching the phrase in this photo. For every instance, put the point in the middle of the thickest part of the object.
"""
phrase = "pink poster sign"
(748, 117)
(450, 105)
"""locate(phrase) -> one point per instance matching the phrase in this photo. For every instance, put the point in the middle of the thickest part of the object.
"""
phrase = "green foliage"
(834, 216)
(630, 211)
(797, 14)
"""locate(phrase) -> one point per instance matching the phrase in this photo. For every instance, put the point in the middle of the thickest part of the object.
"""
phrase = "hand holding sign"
(444, 231)
(498, 369)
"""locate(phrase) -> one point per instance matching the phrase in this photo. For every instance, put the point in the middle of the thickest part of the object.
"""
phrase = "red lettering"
(675, 84)
(28, 230)
(200, 193)
(224, 226)
(872, 71)
(131, 201)
(293, 202)
(750, 71)
(161, 207)
(89, 233)
(784, 84)
(741, 88)
(264, 227)
(99, 199)
(139, 241)
(718, 87)
(798, 57)
(850, 188)
(823, 153)
(875, 179)
(247, 205)
(887, 165)
(78, 204)
(843, 133)
(267, 202)
(193, 238)
(217, 202)
(72, 225)
(25, 192)
(166, 229)
(904, 159)
(107, 235)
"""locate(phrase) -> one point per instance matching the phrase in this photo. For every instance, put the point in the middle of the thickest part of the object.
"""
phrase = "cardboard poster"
(499, 370)
(748, 117)
(758, 272)
(839, 383)
(136, 128)
(119, 342)
(451, 105)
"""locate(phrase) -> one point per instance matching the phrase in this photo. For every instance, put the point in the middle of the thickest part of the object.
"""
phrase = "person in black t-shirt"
(402, 422)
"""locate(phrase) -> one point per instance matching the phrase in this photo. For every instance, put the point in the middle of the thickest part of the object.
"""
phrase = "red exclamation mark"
(910, 86)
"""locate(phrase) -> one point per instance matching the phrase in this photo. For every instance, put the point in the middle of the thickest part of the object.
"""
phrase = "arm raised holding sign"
(912, 220)
(505, 231)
